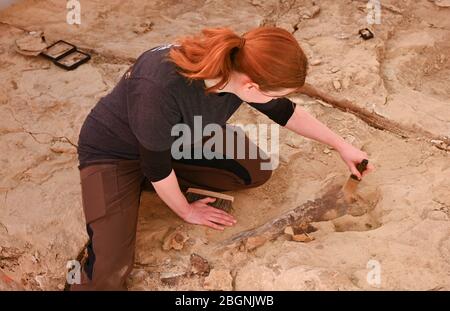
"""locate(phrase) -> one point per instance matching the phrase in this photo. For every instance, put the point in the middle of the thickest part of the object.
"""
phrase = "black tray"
(58, 50)
(72, 60)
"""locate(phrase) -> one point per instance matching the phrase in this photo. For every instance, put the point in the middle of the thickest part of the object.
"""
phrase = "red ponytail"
(270, 56)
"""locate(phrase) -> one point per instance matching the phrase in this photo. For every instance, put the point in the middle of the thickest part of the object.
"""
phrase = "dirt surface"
(401, 74)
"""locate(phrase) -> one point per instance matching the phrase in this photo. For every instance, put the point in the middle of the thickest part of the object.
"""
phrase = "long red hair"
(270, 56)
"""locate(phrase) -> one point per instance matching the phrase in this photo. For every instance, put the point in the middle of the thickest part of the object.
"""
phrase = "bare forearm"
(169, 191)
(303, 123)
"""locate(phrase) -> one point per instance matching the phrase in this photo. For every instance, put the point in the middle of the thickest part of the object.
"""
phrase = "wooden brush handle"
(361, 167)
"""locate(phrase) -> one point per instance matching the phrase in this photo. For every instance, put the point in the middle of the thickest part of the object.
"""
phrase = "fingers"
(221, 212)
(219, 219)
(219, 216)
(210, 216)
(355, 171)
(207, 200)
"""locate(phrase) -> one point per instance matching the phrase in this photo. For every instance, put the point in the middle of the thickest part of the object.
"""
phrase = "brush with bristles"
(350, 186)
(223, 202)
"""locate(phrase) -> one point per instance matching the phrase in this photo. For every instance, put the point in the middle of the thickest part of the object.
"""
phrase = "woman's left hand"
(353, 156)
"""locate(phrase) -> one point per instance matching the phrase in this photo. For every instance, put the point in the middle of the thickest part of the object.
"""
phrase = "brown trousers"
(111, 194)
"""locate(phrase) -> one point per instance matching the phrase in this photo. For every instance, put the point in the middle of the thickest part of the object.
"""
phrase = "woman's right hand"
(203, 214)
